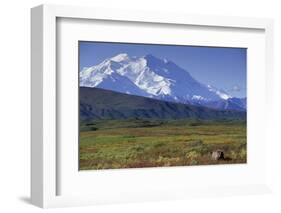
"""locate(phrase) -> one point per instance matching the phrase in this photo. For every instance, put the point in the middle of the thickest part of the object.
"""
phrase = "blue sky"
(224, 68)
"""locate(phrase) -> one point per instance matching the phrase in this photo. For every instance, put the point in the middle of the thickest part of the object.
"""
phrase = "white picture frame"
(45, 169)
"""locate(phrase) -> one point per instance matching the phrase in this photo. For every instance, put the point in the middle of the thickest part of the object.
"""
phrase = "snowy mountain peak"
(149, 76)
(120, 57)
(151, 58)
(222, 94)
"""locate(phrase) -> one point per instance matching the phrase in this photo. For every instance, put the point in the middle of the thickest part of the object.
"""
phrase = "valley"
(126, 131)
(139, 143)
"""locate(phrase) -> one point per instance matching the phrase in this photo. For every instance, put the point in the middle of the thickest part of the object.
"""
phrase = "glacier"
(152, 77)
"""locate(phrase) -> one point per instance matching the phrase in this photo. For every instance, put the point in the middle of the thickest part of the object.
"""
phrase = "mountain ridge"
(96, 104)
(149, 76)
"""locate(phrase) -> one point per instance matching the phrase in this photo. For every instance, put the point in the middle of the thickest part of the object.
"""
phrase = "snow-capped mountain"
(152, 77)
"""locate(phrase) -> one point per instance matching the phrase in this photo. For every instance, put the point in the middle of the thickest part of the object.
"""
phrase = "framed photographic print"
(130, 106)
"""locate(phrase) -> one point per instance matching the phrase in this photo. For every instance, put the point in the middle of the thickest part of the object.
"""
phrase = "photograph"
(161, 105)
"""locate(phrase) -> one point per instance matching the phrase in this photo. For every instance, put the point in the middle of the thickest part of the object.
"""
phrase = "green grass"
(133, 143)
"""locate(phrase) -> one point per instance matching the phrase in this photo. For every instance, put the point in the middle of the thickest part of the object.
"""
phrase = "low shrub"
(243, 153)
(193, 156)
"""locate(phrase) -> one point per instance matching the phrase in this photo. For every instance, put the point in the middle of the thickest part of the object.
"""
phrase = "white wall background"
(15, 98)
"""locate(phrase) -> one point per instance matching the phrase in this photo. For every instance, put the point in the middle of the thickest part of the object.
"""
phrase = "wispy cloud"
(236, 88)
